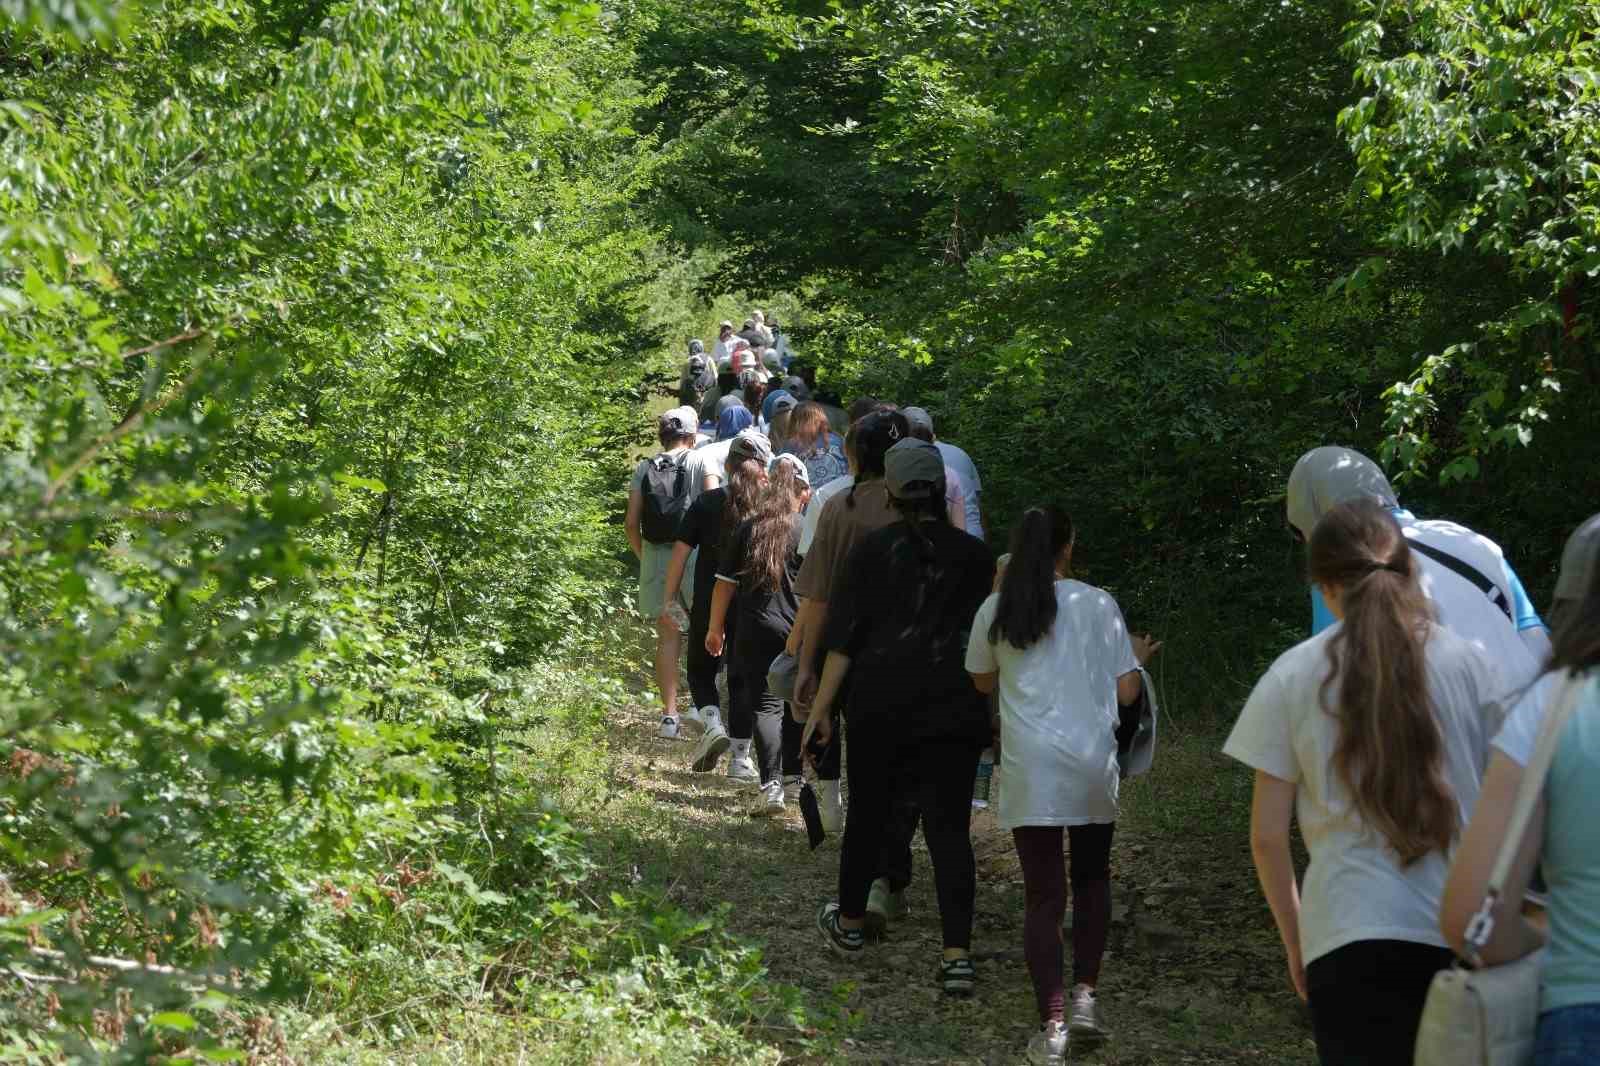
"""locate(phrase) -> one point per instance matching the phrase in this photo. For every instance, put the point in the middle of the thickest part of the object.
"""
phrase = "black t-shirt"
(701, 527)
(903, 620)
(768, 610)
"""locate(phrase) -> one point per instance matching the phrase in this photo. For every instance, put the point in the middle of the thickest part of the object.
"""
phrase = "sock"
(741, 748)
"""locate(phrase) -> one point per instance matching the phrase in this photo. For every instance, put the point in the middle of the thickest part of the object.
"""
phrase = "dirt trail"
(1194, 973)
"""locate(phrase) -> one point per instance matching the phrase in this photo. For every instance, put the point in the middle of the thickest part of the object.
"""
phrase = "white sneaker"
(709, 751)
(1083, 1016)
(669, 727)
(791, 788)
(743, 768)
(770, 803)
(1048, 1046)
(829, 806)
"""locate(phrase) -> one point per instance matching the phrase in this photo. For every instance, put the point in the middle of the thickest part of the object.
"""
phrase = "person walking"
(1563, 837)
(1465, 574)
(760, 565)
(1060, 655)
(698, 379)
(958, 460)
(661, 491)
(706, 531)
(844, 520)
(708, 463)
(1373, 736)
(813, 441)
(897, 622)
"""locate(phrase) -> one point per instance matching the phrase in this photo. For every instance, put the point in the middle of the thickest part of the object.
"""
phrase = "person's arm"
(1130, 684)
(1530, 627)
(806, 681)
(958, 514)
(717, 627)
(1271, 809)
(1514, 936)
(820, 722)
(635, 512)
(802, 621)
(985, 683)
(675, 568)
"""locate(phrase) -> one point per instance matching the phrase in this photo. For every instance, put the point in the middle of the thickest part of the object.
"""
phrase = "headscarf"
(731, 421)
(768, 403)
(1328, 476)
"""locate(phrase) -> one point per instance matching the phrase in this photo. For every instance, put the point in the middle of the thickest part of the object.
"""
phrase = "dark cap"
(912, 469)
(750, 444)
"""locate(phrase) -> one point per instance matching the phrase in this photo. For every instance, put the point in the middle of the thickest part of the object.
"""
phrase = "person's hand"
(818, 727)
(805, 686)
(1297, 974)
(715, 638)
(1145, 647)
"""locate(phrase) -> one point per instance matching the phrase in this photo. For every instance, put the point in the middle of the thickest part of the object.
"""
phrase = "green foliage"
(1478, 138)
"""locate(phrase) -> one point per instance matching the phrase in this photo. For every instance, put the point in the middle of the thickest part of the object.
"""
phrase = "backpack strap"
(1496, 595)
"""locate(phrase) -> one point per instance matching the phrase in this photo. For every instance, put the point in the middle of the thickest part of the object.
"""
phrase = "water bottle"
(980, 785)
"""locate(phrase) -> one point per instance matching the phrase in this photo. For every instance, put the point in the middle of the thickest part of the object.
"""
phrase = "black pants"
(702, 665)
(883, 763)
(894, 861)
(1366, 1000)
(754, 708)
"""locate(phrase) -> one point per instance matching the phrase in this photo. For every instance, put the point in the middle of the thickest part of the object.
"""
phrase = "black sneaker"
(846, 943)
(957, 977)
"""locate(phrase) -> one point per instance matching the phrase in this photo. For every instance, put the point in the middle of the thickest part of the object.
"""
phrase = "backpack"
(665, 493)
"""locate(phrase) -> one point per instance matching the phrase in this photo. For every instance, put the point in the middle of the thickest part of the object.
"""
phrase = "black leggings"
(754, 708)
(702, 665)
(1367, 997)
(882, 764)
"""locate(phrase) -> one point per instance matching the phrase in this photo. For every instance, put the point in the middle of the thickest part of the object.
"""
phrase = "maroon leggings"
(1044, 879)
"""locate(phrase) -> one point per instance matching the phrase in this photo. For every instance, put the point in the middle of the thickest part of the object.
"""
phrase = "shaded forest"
(327, 332)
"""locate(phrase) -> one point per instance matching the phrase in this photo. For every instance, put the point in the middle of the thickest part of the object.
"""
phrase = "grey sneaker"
(1084, 1020)
(770, 803)
(709, 751)
(884, 907)
(743, 769)
(669, 727)
(1048, 1046)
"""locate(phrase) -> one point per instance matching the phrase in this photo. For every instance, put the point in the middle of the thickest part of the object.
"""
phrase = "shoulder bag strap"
(1485, 585)
(1529, 792)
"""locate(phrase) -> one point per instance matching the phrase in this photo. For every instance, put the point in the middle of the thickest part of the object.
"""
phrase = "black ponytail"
(1027, 607)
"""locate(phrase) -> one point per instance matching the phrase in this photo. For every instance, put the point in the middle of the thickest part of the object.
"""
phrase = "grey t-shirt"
(959, 461)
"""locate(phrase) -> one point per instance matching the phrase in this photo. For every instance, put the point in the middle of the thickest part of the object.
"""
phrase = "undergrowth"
(511, 937)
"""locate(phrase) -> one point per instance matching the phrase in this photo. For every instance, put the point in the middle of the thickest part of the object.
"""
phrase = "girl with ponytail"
(1373, 734)
(1062, 660)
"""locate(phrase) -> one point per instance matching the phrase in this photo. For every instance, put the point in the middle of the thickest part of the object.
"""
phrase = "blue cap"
(731, 421)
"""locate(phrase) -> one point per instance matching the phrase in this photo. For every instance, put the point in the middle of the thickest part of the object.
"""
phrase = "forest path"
(1194, 973)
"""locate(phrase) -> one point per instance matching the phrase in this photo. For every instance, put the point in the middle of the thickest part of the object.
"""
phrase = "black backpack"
(665, 495)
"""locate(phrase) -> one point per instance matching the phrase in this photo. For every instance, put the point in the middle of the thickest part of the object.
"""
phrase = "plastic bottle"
(980, 784)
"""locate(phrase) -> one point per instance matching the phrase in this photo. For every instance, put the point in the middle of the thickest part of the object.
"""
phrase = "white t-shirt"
(723, 351)
(710, 460)
(1058, 709)
(971, 484)
(1355, 888)
(813, 513)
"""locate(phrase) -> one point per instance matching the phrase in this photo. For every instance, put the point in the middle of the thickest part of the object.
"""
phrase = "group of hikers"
(829, 572)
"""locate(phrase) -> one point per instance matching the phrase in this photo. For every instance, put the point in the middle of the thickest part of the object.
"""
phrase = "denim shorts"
(1569, 1036)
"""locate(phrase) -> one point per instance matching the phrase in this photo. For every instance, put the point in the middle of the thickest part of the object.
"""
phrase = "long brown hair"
(1390, 751)
(744, 495)
(772, 530)
(1575, 630)
(808, 427)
